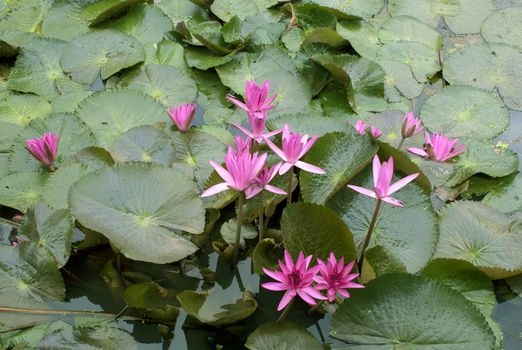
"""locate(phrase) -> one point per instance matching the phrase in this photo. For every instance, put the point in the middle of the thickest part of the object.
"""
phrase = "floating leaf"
(203, 59)
(398, 309)
(363, 37)
(99, 11)
(29, 276)
(465, 112)
(167, 84)
(504, 27)
(101, 53)
(181, 10)
(507, 196)
(282, 335)
(488, 67)
(20, 26)
(316, 230)
(405, 28)
(55, 192)
(139, 208)
(65, 15)
(226, 9)
(342, 156)
(265, 255)
(359, 8)
(474, 232)
(228, 232)
(143, 144)
(21, 190)
(412, 244)
(461, 16)
(153, 300)
(111, 113)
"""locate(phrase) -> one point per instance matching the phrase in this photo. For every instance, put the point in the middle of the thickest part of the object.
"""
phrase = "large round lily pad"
(477, 233)
(101, 53)
(282, 335)
(111, 113)
(141, 209)
(99, 11)
(488, 67)
(465, 112)
(397, 311)
(21, 190)
(504, 27)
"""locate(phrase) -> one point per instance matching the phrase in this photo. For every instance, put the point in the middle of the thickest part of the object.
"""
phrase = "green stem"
(66, 312)
(285, 311)
(239, 224)
(338, 300)
(261, 217)
(290, 179)
(369, 234)
(315, 307)
(400, 144)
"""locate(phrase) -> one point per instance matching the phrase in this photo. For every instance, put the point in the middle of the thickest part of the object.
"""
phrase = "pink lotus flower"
(241, 169)
(440, 148)
(335, 277)
(261, 182)
(382, 177)
(44, 149)
(183, 115)
(376, 133)
(257, 105)
(294, 147)
(360, 127)
(294, 279)
(242, 146)
(411, 126)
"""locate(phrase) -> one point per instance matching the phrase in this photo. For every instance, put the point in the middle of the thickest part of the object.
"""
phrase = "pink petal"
(237, 102)
(212, 190)
(310, 168)
(276, 286)
(306, 297)
(253, 191)
(276, 149)
(287, 297)
(222, 172)
(363, 190)
(289, 262)
(308, 145)
(285, 167)
(376, 168)
(245, 131)
(401, 183)
(313, 293)
(392, 201)
(274, 189)
(277, 275)
(417, 151)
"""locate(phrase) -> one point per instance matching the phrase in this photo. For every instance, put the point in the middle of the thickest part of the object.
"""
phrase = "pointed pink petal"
(401, 183)
(253, 191)
(285, 167)
(289, 262)
(417, 151)
(277, 275)
(310, 168)
(276, 149)
(308, 145)
(271, 133)
(287, 297)
(245, 131)
(314, 293)
(392, 201)
(376, 168)
(212, 190)
(306, 297)
(274, 189)
(363, 190)
(237, 102)
(274, 286)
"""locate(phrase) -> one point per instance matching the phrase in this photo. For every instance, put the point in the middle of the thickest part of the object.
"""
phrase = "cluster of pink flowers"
(299, 279)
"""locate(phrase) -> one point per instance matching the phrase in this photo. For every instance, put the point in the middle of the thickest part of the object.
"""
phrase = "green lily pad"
(29, 276)
(141, 210)
(316, 230)
(282, 335)
(111, 113)
(146, 23)
(166, 84)
(397, 310)
(101, 53)
(94, 157)
(348, 8)
(507, 197)
(465, 112)
(310, 123)
(51, 229)
(21, 190)
(504, 27)
(489, 67)
(203, 59)
(342, 155)
(218, 307)
(412, 244)
(38, 70)
(153, 300)
(483, 158)
(99, 11)
(181, 10)
(16, 111)
(461, 16)
(143, 144)
(69, 102)
(20, 26)
(272, 64)
(363, 37)
(405, 28)
(55, 192)
(193, 150)
(226, 9)
(475, 232)
(68, 15)
(228, 232)
(265, 255)
(74, 135)
(326, 36)
(399, 80)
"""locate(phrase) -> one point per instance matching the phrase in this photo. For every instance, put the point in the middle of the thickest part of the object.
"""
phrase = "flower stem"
(290, 179)
(369, 234)
(315, 307)
(285, 311)
(241, 199)
(261, 217)
(400, 144)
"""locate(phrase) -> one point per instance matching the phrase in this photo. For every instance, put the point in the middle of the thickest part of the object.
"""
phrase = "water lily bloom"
(261, 182)
(294, 279)
(241, 170)
(183, 115)
(411, 126)
(439, 147)
(335, 277)
(382, 187)
(294, 147)
(360, 127)
(44, 149)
